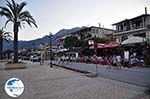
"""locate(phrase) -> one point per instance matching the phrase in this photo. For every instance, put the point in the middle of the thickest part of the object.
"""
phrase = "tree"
(15, 14)
(3, 36)
(85, 44)
(70, 41)
(100, 40)
(78, 43)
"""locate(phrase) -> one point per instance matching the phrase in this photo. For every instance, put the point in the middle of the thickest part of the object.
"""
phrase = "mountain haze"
(35, 43)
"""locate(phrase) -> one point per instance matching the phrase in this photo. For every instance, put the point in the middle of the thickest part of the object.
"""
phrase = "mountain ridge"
(36, 42)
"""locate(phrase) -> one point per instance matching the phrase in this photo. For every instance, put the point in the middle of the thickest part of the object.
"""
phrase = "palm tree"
(3, 36)
(15, 14)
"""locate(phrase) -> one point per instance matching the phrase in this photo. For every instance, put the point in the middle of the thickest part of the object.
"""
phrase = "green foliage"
(87, 52)
(14, 13)
(5, 35)
(85, 43)
(78, 43)
(81, 43)
(100, 40)
(70, 41)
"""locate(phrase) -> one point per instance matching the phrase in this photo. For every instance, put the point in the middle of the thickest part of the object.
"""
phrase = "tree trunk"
(1, 47)
(15, 43)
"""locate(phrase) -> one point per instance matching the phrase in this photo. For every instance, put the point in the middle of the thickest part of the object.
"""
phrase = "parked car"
(34, 58)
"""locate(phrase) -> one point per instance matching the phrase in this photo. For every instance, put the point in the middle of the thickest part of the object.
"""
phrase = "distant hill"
(37, 42)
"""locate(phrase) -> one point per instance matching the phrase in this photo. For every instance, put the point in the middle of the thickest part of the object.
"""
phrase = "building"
(60, 44)
(89, 32)
(137, 26)
(85, 33)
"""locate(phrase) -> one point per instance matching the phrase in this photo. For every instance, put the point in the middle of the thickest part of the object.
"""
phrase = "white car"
(34, 58)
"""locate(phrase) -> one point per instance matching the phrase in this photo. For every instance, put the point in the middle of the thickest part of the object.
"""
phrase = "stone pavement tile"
(42, 82)
(120, 84)
(81, 88)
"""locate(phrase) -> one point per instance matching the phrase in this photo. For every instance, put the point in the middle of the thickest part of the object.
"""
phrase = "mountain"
(37, 42)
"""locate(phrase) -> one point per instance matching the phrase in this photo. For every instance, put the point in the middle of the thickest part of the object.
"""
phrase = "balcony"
(135, 29)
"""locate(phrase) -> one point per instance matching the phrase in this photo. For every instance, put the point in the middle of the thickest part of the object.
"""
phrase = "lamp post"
(50, 48)
(91, 42)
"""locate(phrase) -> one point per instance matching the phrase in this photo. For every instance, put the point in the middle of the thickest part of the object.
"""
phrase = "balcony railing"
(132, 28)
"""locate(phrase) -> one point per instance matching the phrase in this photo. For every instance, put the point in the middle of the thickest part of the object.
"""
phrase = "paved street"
(137, 76)
(42, 82)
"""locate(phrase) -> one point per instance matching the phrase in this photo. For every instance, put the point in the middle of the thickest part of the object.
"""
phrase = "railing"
(133, 28)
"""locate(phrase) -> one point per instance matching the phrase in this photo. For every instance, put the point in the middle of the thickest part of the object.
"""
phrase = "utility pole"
(50, 49)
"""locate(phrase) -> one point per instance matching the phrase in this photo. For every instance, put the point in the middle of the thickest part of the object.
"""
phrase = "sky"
(54, 15)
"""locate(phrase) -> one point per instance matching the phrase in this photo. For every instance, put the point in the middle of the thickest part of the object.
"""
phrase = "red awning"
(99, 45)
(112, 44)
(102, 45)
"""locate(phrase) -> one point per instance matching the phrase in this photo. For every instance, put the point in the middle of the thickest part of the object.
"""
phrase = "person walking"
(126, 59)
(42, 58)
(118, 61)
(114, 63)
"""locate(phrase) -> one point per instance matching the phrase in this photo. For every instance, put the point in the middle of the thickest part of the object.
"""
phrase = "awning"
(133, 40)
(112, 44)
(109, 45)
(99, 45)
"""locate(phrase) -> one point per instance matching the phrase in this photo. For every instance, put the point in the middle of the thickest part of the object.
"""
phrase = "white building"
(138, 26)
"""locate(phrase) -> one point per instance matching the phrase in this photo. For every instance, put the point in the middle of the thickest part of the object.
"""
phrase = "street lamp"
(50, 48)
(91, 42)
